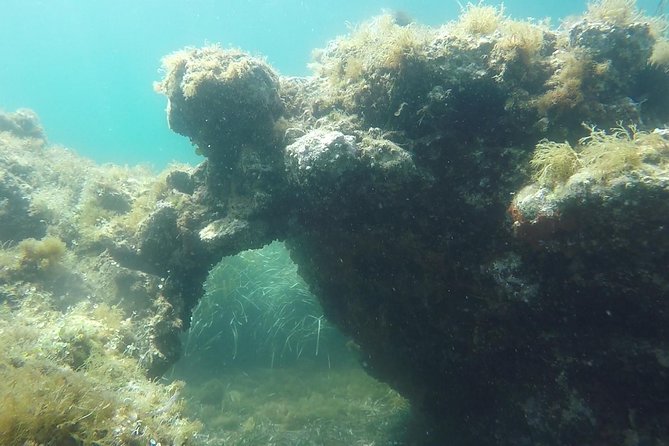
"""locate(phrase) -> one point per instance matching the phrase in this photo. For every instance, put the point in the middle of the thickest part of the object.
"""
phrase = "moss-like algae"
(479, 19)
(520, 40)
(41, 254)
(567, 86)
(600, 156)
(241, 90)
(554, 163)
(660, 55)
(64, 379)
(362, 69)
(618, 12)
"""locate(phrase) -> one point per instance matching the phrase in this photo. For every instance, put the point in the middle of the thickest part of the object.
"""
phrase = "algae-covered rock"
(236, 95)
(328, 160)
(19, 131)
(321, 158)
(603, 310)
(514, 296)
(16, 219)
(82, 335)
(22, 123)
(65, 378)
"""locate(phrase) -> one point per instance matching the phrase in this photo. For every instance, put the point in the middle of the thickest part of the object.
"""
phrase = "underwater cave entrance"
(258, 312)
(262, 365)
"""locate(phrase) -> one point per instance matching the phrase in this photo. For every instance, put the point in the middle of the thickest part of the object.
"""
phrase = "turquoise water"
(87, 67)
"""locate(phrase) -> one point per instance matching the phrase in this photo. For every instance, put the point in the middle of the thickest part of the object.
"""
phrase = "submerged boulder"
(510, 309)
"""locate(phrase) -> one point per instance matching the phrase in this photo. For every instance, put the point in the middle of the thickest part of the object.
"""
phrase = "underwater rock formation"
(509, 314)
(82, 336)
(512, 287)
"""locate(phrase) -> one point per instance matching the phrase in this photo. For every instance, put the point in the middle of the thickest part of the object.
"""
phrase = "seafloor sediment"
(481, 206)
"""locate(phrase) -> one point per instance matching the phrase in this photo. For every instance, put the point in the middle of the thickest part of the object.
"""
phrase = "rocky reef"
(82, 337)
(480, 206)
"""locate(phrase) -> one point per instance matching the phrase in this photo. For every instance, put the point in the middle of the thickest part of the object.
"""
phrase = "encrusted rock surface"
(392, 176)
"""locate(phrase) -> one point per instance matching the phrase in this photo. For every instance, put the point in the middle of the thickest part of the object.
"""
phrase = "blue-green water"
(87, 67)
